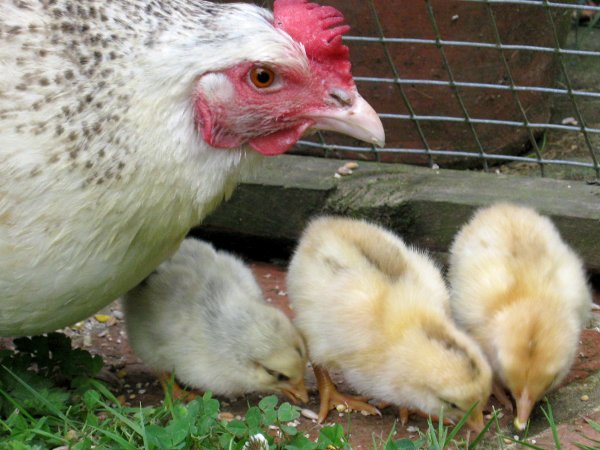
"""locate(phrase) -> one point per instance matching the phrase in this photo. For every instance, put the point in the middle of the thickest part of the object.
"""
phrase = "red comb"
(318, 28)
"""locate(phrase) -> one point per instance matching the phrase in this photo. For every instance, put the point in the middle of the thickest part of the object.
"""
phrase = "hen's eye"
(262, 77)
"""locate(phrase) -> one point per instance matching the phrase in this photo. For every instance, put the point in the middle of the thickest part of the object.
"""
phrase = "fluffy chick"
(522, 293)
(201, 315)
(378, 311)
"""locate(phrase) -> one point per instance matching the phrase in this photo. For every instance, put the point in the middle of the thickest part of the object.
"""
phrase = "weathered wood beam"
(425, 206)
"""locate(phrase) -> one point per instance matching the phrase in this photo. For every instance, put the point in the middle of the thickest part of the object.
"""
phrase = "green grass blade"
(550, 418)
(49, 435)
(16, 405)
(483, 432)
(461, 423)
(57, 412)
(143, 429)
(594, 425)
(123, 443)
(525, 444)
(126, 420)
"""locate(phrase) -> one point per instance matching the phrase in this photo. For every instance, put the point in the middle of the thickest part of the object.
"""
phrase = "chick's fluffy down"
(202, 315)
(522, 293)
(378, 311)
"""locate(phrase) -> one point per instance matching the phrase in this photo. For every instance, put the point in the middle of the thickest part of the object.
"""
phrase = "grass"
(50, 399)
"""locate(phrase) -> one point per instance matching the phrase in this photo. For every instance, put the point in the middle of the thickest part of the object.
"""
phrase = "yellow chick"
(521, 292)
(202, 315)
(378, 311)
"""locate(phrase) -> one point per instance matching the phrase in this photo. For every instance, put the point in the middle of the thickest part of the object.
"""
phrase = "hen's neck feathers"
(106, 88)
(97, 137)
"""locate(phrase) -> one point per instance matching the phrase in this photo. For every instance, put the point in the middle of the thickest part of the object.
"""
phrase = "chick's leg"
(330, 397)
(177, 392)
(500, 394)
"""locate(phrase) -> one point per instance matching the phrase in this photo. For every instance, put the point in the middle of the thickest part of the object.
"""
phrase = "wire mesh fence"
(477, 83)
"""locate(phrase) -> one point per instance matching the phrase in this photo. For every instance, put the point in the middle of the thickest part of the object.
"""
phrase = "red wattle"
(278, 142)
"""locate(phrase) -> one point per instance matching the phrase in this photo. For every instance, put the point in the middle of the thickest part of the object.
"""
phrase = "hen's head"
(294, 77)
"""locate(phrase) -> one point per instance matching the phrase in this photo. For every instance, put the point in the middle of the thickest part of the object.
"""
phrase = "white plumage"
(521, 292)
(202, 315)
(378, 311)
(104, 162)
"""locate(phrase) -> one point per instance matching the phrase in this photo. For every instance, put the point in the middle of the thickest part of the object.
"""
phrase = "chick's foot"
(500, 394)
(405, 415)
(331, 398)
(177, 392)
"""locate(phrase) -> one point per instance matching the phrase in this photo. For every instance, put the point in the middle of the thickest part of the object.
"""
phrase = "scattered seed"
(102, 318)
(225, 416)
(118, 314)
(585, 398)
(121, 373)
(412, 429)
(344, 171)
(341, 407)
(132, 396)
(87, 340)
(71, 435)
(309, 414)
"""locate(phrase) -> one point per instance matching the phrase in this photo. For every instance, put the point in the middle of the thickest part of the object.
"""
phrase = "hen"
(123, 123)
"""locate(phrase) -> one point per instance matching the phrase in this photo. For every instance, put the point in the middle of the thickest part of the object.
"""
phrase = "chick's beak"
(475, 420)
(524, 406)
(296, 391)
(352, 116)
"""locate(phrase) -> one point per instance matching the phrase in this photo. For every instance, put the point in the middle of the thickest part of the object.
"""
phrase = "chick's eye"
(262, 77)
(450, 404)
(279, 376)
(282, 377)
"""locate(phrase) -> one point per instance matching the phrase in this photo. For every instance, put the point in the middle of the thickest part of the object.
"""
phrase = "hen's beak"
(354, 117)
(524, 406)
(296, 391)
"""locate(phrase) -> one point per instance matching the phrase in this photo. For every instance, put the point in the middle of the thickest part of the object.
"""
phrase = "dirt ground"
(105, 334)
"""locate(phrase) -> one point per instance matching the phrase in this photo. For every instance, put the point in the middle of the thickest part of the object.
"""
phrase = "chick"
(521, 292)
(201, 315)
(378, 311)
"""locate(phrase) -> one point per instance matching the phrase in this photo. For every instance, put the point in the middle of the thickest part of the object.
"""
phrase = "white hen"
(124, 122)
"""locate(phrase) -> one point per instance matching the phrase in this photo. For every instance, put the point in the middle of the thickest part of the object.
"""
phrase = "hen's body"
(103, 169)
(70, 148)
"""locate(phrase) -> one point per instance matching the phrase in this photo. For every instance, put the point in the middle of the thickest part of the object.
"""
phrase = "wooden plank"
(425, 206)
